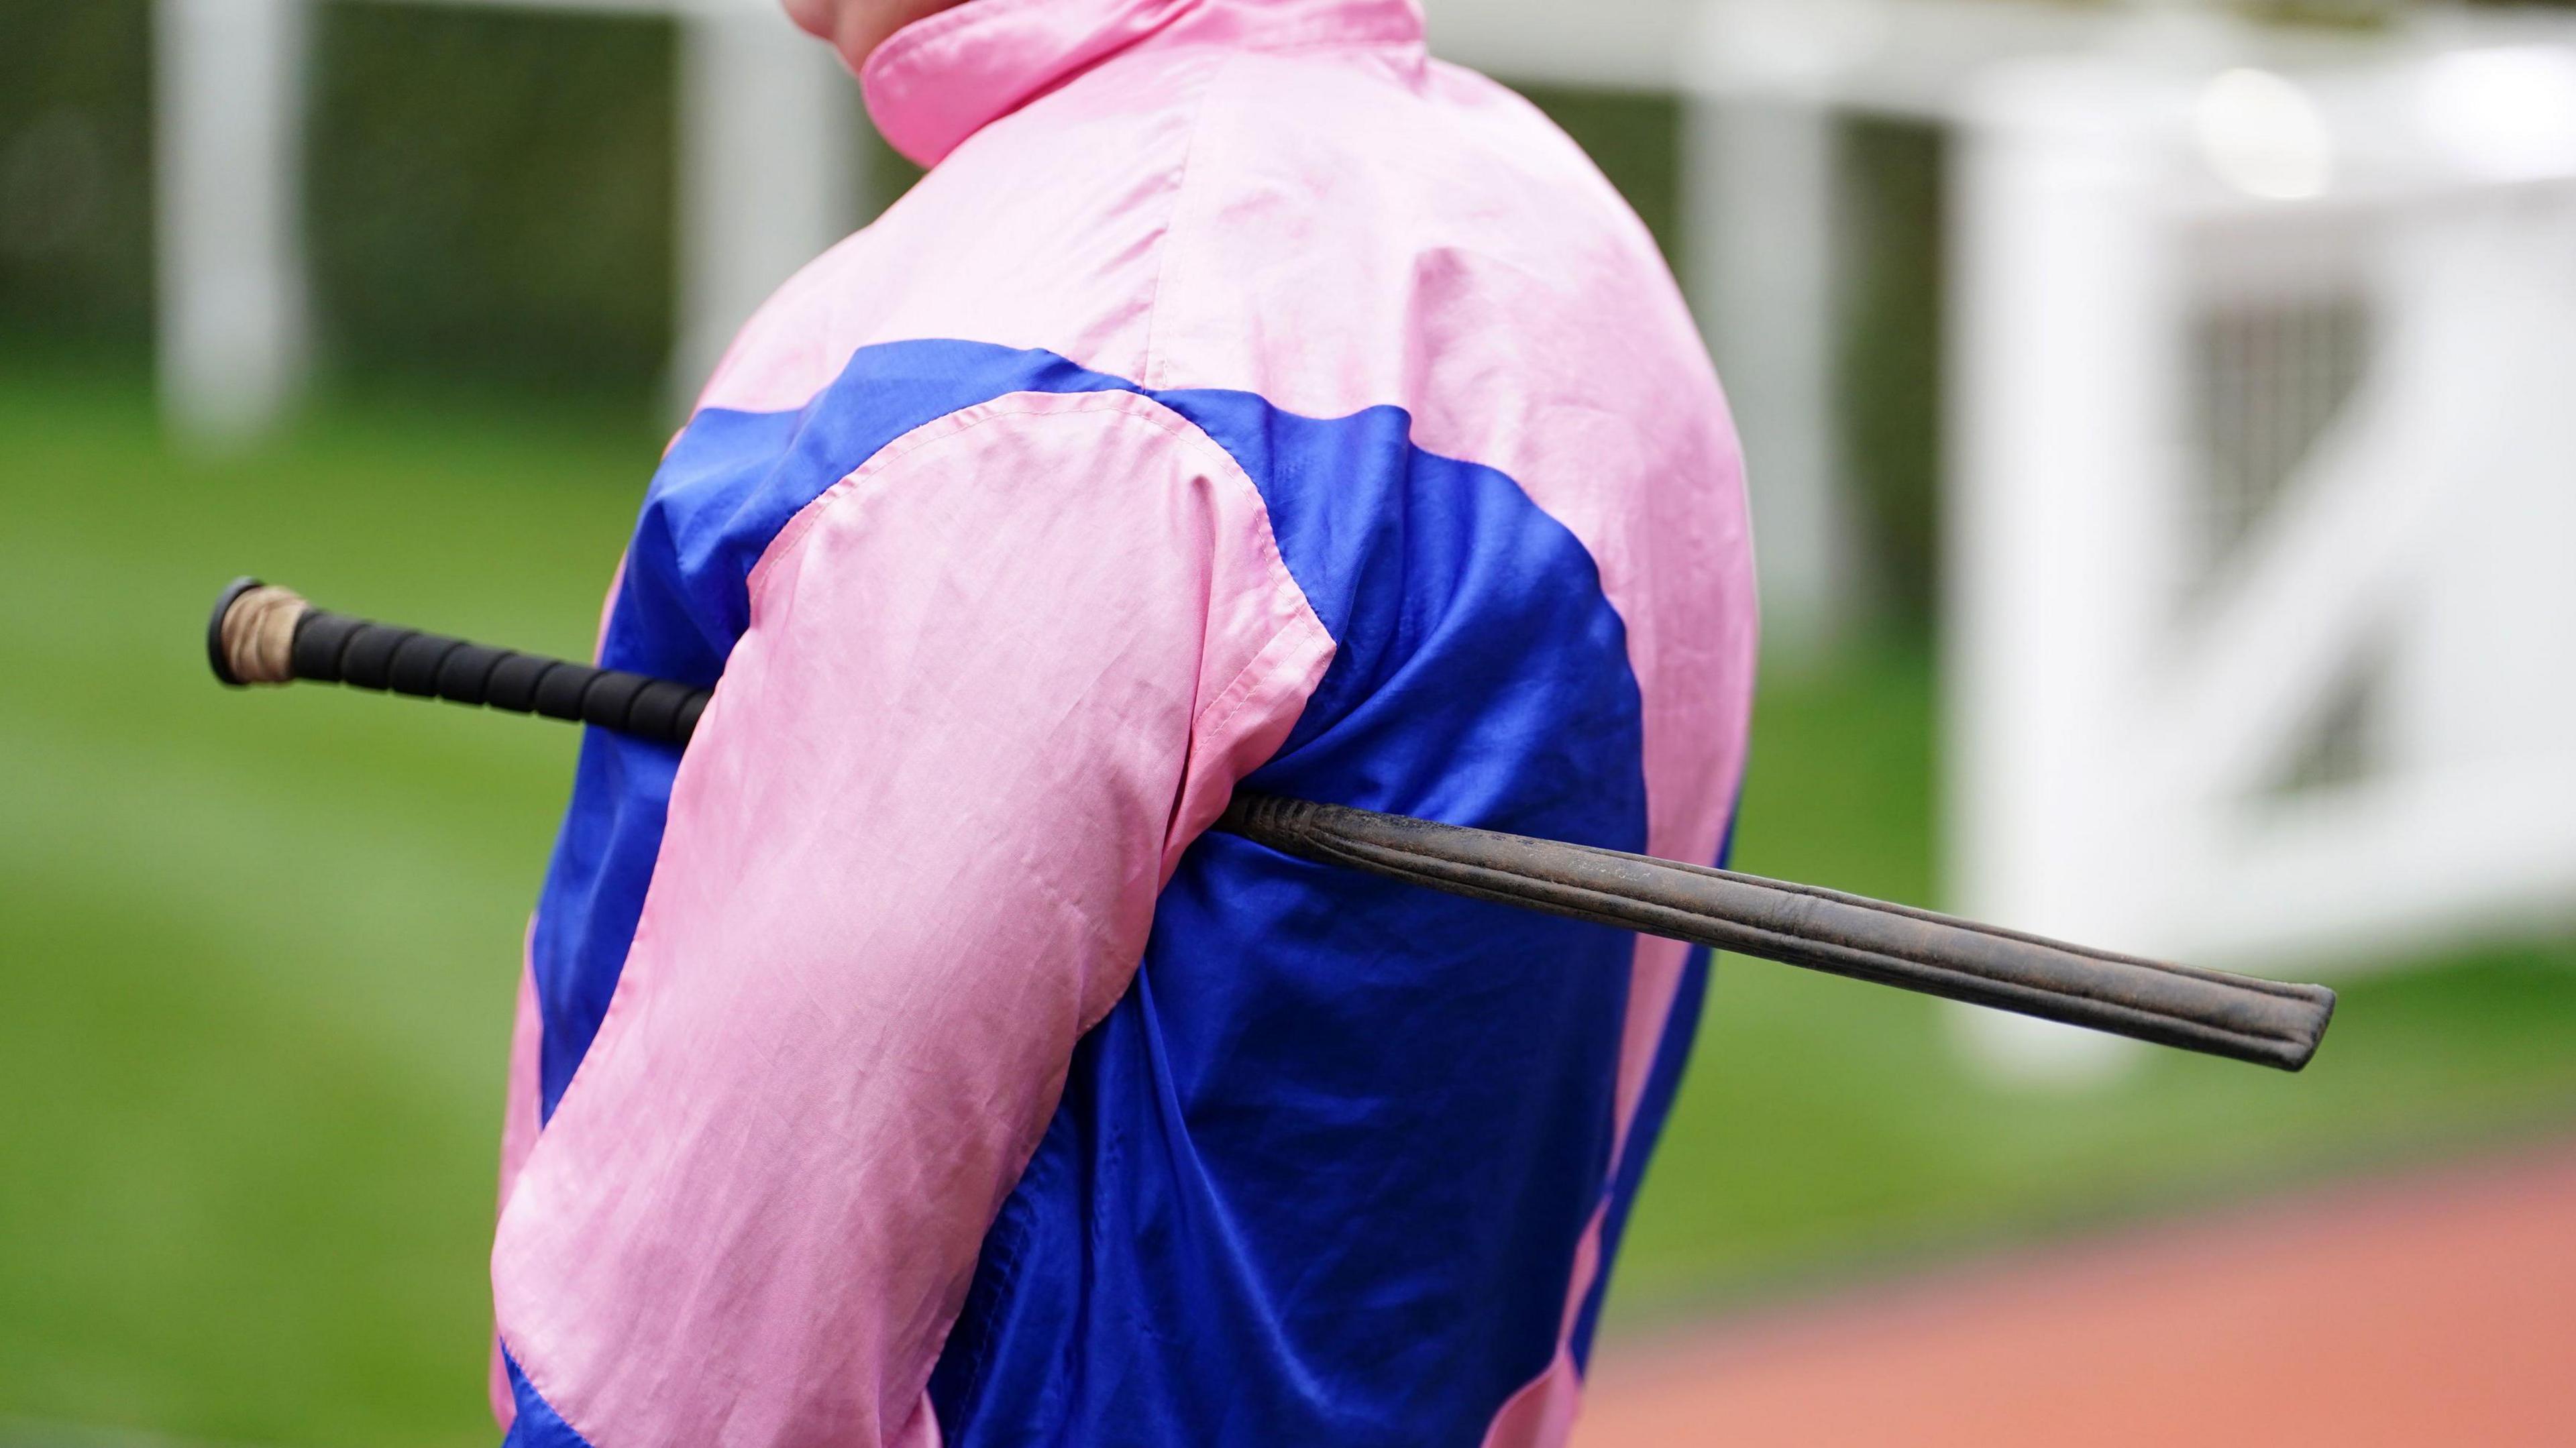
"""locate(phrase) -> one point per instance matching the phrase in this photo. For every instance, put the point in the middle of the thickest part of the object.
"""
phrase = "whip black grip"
(334, 648)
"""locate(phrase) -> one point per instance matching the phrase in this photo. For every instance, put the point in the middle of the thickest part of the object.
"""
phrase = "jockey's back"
(1240, 398)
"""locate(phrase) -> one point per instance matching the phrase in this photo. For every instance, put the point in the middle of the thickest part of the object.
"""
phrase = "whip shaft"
(2240, 1017)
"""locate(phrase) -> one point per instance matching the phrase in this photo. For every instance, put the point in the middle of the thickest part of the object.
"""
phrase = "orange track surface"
(2435, 1311)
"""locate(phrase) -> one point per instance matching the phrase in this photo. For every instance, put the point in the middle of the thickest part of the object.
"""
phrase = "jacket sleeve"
(994, 682)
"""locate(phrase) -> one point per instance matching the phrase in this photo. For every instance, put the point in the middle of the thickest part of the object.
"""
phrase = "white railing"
(2262, 598)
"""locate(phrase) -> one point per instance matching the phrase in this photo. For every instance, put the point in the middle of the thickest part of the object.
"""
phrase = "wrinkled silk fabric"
(1242, 398)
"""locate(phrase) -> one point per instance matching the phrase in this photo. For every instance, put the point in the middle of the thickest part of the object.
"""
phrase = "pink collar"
(941, 79)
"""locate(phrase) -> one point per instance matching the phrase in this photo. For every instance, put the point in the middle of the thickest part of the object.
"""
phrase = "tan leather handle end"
(251, 638)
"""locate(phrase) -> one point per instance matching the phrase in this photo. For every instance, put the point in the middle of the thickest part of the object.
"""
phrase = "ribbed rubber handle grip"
(287, 638)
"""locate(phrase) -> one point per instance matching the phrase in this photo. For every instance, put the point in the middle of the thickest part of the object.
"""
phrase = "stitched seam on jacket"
(1170, 243)
(792, 538)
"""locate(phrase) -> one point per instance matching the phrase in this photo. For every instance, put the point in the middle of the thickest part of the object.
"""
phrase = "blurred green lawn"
(257, 953)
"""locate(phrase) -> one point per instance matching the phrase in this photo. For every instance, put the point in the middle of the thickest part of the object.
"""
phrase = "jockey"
(1241, 398)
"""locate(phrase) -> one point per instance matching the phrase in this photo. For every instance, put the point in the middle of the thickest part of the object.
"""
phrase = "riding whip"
(261, 634)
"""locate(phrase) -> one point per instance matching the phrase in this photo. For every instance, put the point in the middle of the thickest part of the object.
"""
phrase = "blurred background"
(2164, 465)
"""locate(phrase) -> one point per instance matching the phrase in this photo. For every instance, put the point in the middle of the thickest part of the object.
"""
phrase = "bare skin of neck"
(857, 27)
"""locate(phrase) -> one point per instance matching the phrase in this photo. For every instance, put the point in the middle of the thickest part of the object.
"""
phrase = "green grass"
(257, 954)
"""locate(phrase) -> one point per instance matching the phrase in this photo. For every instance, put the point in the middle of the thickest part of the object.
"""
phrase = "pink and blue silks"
(1242, 397)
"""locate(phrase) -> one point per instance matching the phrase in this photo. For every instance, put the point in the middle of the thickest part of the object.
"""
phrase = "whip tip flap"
(2321, 1006)
(250, 637)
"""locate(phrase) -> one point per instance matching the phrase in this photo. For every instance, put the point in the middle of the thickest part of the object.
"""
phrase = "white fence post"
(769, 170)
(228, 131)
(2064, 414)
(1759, 178)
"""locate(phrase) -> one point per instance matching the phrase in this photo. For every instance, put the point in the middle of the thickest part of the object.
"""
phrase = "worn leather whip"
(267, 635)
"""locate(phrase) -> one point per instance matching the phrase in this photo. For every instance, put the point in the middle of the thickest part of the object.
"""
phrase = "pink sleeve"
(994, 682)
